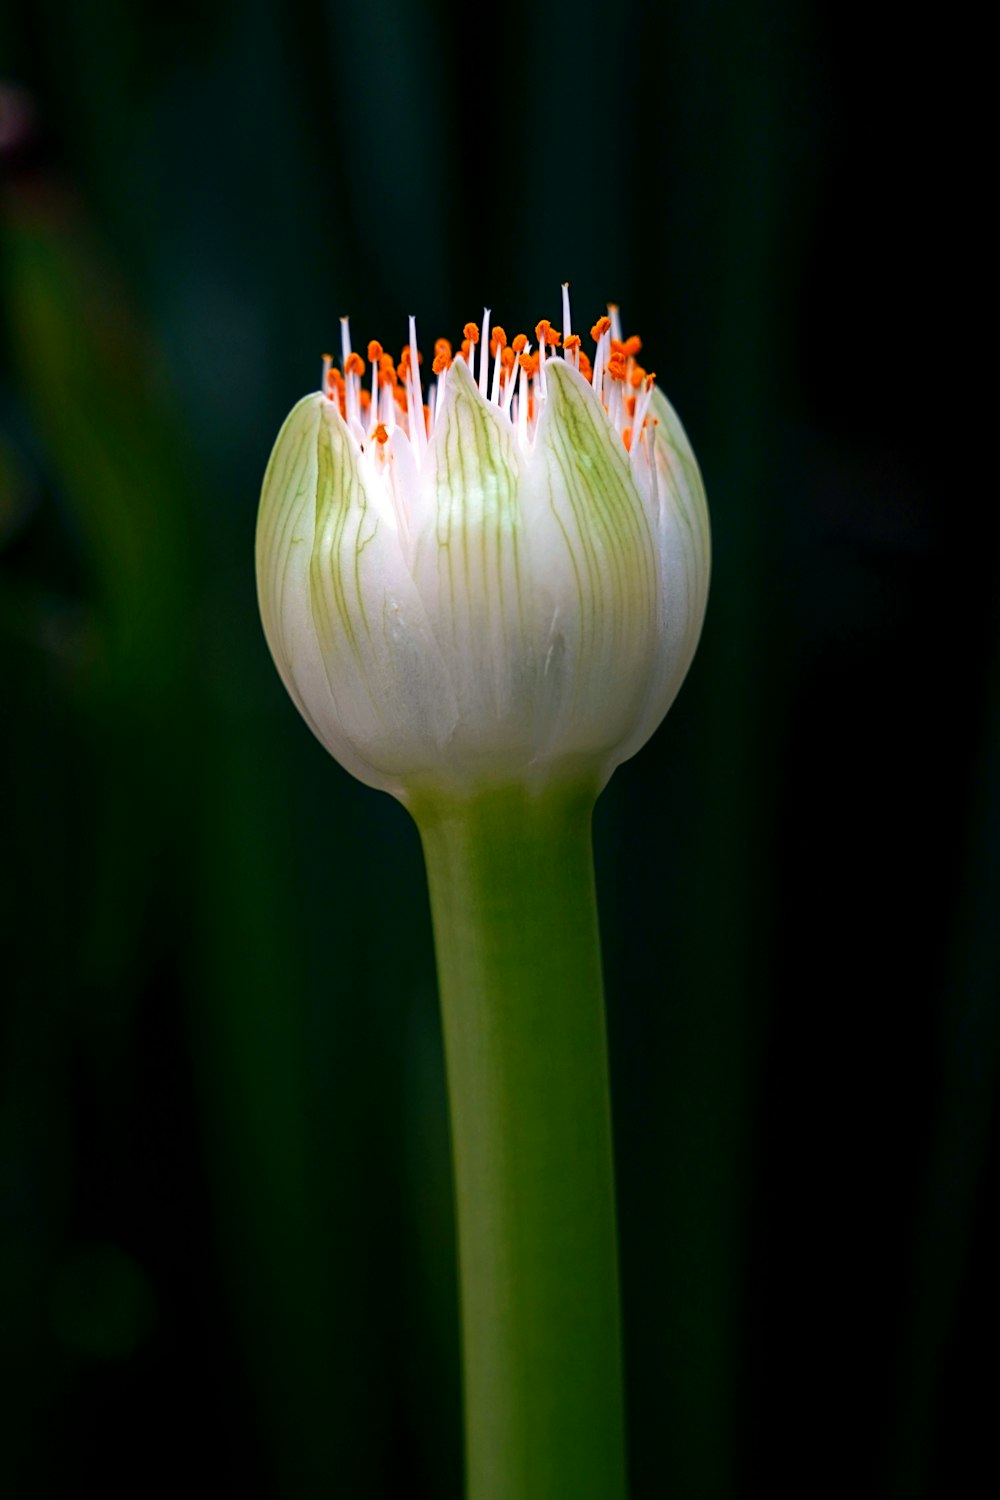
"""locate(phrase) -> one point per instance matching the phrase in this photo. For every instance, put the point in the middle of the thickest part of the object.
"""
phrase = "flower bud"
(507, 585)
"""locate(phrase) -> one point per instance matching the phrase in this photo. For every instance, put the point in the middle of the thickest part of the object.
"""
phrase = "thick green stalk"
(515, 926)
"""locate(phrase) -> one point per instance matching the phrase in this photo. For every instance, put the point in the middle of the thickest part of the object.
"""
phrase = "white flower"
(505, 586)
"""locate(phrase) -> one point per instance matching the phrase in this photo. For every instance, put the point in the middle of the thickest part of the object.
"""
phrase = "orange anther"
(572, 341)
(601, 326)
(617, 346)
(441, 360)
(381, 436)
(630, 405)
(443, 346)
(627, 438)
(520, 339)
(528, 363)
(586, 368)
(546, 334)
(374, 351)
(636, 375)
(616, 367)
(507, 357)
(366, 399)
(354, 364)
(498, 338)
(632, 345)
(471, 332)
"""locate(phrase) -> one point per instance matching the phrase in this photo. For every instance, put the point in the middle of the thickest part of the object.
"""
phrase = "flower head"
(504, 584)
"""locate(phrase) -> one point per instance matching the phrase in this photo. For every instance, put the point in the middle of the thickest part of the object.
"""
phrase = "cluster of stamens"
(387, 396)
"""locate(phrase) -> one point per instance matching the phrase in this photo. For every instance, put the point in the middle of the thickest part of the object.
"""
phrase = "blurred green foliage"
(225, 1202)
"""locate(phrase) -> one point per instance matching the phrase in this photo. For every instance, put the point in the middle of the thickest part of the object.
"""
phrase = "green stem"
(519, 967)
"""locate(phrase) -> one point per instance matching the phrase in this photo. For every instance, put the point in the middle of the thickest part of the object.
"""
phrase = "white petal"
(684, 547)
(344, 622)
(594, 563)
(469, 565)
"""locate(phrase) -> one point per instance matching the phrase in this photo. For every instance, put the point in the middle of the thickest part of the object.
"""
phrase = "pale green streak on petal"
(343, 529)
(682, 490)
(286, 524)
(683, 541)
(677, 463)
(599, 510)
(478, 538)
(286, 529)
(345, 525)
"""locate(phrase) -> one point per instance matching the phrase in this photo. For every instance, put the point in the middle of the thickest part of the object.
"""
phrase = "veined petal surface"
(342, 616)
(472, 571)
(594, 574)
(683, 544)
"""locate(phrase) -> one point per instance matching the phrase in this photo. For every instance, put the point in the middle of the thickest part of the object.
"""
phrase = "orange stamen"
(441, 361)
(586, 368)
(354, 364)
(381, 435)
(471, 332)
(374, 352)
(520, 339)
(601, 326)
(632, 345)
(616, 366)
(572, 341)
(498, 339)
(546, 334)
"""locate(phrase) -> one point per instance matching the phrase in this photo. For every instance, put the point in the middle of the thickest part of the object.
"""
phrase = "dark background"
(226, 1256)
